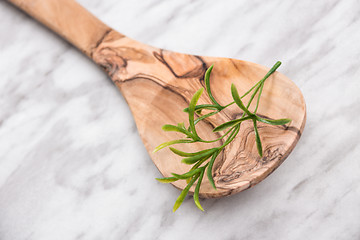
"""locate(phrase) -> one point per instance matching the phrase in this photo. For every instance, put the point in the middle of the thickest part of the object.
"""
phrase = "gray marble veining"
(72, 165)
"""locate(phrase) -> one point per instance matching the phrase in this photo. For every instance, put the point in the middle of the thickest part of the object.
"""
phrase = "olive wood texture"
(158, 84)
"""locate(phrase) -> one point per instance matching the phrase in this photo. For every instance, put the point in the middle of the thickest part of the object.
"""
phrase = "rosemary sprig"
(199, 159)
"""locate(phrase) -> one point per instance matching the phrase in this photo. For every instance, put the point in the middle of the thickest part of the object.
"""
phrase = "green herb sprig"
(199, 159)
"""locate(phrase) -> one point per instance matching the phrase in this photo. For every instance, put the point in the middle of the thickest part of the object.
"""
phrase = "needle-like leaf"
(173, 128)
(231, 123)
(207, 85)
(185, 154)
(167, 179)
(209, 169)
(194, 159)
(166, 144)
(197, 190)
(282, 121)
(192, 105)
(187, 175)
(202, 106)
(257, 139)
(238, 101)
(183, 194)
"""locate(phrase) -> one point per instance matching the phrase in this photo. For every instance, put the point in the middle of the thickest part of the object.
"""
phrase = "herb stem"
(215, 140)
(232, 136)
(258, 100)
(204, 116)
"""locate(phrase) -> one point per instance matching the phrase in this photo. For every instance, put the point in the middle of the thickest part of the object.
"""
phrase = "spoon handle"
(68, 19)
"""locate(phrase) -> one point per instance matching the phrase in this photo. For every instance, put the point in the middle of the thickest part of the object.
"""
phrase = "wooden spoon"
(158, 84)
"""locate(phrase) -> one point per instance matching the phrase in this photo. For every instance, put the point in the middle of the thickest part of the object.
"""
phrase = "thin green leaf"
(185, 154)
(194, 159)
(197, 190)
(165, 144)
(183, 194)
(192, 105)
(272, 70)
(207, 85)
(231, 123)
(205, 116)
(167, 179)
(173, 128)
(202, 106)
(282, 121)
(238, 101)
(257, 139)
(209, 169)
(187, 175)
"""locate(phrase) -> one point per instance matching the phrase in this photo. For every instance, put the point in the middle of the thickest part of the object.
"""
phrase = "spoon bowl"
(158, 84)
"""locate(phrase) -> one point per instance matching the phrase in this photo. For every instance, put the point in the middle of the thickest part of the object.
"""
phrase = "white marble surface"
(72, 165)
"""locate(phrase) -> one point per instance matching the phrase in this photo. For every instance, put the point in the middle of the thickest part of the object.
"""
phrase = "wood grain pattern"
(157, 84)
(68, 19)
